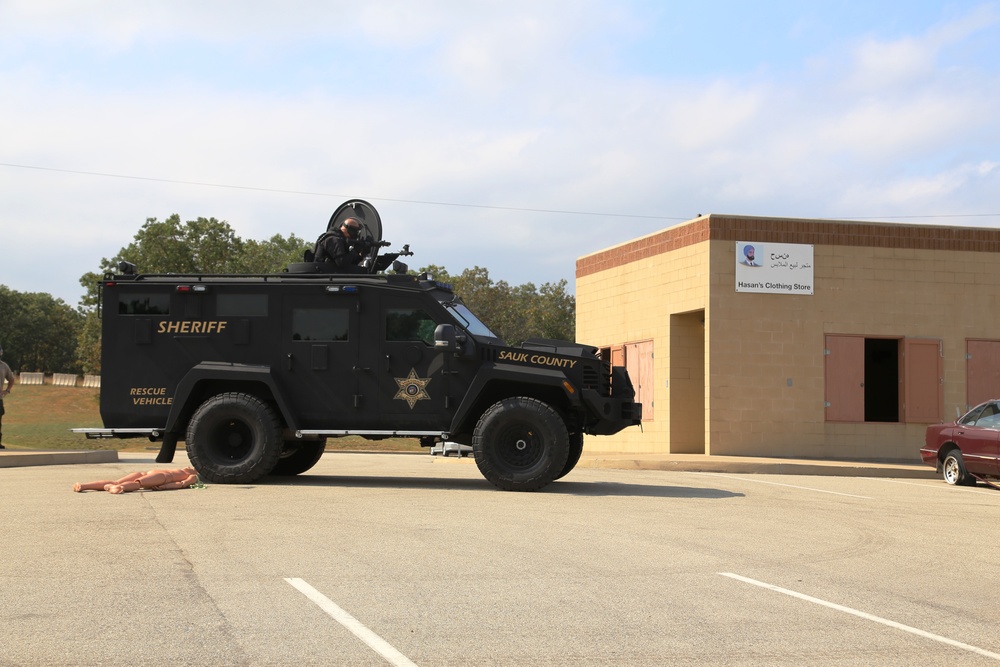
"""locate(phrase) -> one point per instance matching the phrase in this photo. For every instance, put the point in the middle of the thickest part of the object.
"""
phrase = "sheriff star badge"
(412, 388)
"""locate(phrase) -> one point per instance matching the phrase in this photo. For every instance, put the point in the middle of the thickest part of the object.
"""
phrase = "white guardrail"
(61, 380)
(32, 378)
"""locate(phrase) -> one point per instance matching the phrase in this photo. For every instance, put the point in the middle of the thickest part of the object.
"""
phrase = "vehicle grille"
(598, 378)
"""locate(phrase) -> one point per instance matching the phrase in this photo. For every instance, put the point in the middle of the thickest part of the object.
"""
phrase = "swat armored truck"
(255, 372)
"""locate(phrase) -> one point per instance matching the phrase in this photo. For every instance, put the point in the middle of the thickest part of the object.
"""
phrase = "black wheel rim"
(518, 447)
(288, 451)
(230, 441)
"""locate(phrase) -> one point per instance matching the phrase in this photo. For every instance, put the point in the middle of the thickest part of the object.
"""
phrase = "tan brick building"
(840, 339)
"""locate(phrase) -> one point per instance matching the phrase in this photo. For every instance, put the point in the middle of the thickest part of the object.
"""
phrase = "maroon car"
(967, 448)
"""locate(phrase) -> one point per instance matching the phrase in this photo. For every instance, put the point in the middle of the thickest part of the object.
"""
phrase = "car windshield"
(472, 323)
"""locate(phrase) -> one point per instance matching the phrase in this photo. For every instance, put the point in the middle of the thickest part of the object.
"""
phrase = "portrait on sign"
(774, 268)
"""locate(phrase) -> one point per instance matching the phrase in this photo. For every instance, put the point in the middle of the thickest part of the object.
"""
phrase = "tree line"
(39, 332)
(45, 334)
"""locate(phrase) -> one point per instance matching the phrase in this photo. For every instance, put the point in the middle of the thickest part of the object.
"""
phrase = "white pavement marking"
(379, 645)
(866, 616)
(790, 486)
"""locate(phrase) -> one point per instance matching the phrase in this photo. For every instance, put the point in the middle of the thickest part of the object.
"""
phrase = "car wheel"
(298, 457)
(520, 444)
(953, 470)
(234, 439)
(575, 450)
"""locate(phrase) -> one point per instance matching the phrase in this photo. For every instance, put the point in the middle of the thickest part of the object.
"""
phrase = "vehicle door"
(413, 376)
(980, 441)
(319, 353)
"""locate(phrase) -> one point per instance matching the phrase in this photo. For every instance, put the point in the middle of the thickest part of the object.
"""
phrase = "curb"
(676, 463)
(736, 465)
(22, 458)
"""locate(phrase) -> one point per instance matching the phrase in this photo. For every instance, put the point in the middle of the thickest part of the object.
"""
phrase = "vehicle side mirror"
(445, 338)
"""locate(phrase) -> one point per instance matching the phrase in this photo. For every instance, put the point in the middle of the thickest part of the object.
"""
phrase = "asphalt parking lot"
(375, 559)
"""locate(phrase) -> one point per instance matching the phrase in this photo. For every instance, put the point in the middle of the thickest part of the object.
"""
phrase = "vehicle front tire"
(575, 451)
(298, 456)
(953, 470)
(520, 444)
(234, 438)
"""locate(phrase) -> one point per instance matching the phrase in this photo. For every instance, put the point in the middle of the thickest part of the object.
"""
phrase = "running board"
(399, 434)
(98, 433)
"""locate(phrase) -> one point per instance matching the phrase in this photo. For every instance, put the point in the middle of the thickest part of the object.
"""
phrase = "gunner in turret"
(342, 247)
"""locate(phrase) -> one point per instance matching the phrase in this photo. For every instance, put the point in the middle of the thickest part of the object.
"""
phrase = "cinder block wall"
(631, 300)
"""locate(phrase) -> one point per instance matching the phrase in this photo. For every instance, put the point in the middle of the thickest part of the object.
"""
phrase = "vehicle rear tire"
(953, 470)
(575, 450)
(298, 456)
(520, 444)
(234, 439)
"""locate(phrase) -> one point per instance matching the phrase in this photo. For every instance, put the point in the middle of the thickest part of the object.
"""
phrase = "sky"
(516, 136)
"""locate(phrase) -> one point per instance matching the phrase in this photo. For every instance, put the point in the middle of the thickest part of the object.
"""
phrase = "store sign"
(774, 268)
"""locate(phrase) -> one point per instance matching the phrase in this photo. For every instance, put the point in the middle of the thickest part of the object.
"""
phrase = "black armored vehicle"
(255, 372)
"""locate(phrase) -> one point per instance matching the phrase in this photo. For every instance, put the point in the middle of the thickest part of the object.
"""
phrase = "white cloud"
(882, 66)
(887, 130)
(926, 191)
(516, 105)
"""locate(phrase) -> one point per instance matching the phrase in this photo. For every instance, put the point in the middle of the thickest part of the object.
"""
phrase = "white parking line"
(379, 645)
(790, 486)
(866, 616)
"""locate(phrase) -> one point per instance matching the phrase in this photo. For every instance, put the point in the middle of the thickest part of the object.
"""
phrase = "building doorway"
(686, 383)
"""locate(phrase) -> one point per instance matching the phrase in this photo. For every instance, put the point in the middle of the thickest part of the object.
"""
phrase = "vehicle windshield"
(472, 323)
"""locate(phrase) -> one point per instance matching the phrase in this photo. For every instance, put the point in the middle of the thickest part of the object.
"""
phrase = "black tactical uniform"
(337, 249)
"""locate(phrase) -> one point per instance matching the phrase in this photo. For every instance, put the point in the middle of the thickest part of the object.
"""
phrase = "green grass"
(41, 416)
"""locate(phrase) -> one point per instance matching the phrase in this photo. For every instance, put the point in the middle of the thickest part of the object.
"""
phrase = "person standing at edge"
(6, 378)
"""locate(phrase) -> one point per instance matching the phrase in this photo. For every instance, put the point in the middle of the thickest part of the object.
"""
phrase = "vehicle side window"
(409, 324)
(330, 324)
(989, 421)
(989, 410)
(972, 416)
(241, 305)
(156, 303)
